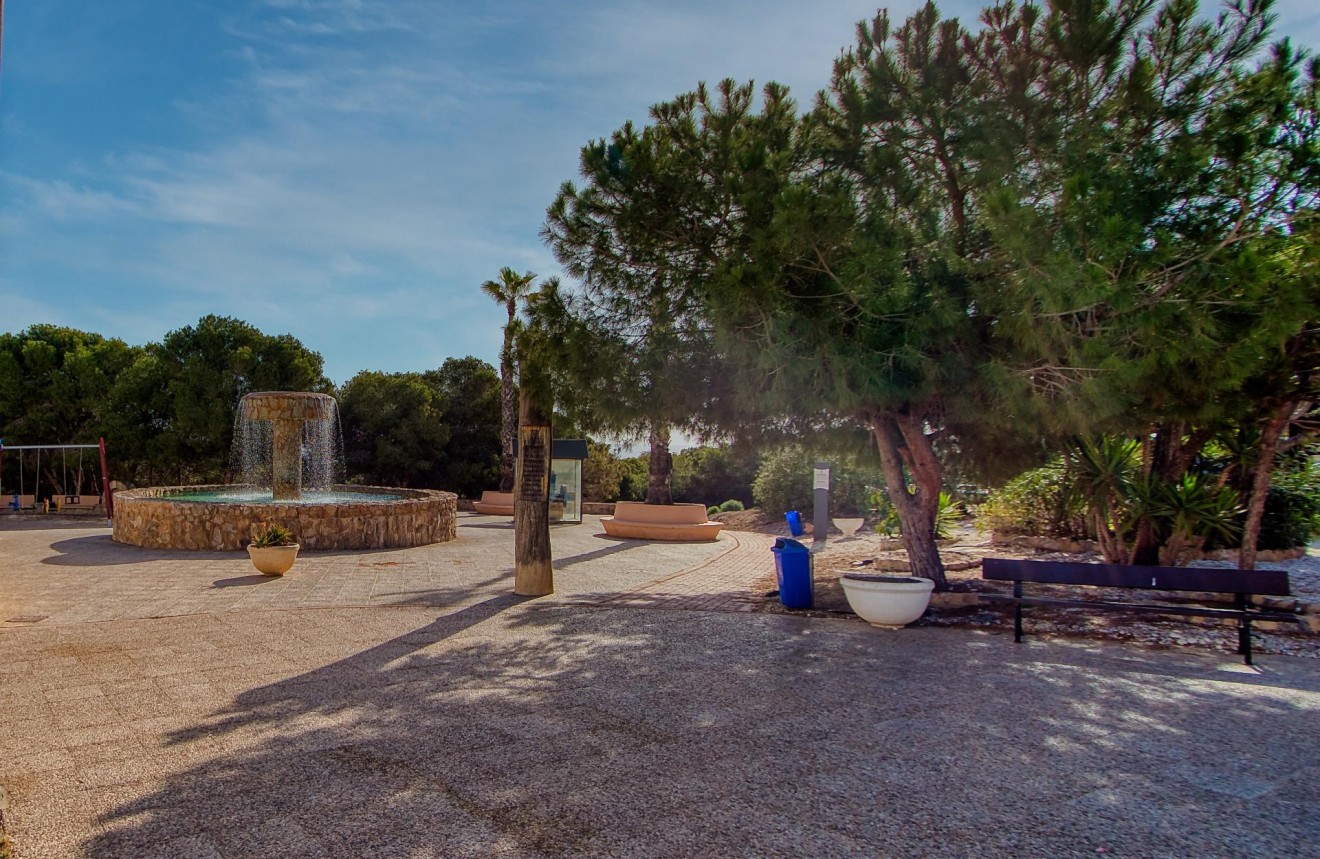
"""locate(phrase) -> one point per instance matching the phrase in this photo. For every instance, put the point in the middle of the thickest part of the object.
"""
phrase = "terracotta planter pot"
(273, 560)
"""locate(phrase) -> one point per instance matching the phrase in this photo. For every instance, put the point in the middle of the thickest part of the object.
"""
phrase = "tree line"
(167, 409)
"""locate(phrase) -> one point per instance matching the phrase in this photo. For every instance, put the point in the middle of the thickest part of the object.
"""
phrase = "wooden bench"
(1242, 584)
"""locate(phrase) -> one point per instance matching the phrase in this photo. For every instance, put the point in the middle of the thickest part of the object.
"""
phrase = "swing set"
(63, 498)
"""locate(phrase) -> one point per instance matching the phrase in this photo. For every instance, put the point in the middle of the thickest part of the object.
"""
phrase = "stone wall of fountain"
(287, 449)
(155, 518)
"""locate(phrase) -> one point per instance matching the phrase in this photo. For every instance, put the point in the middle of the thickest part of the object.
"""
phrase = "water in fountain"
(254, 444)
(314, 421)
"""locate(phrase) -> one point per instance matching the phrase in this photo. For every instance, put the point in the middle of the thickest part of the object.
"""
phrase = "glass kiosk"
(566, 458)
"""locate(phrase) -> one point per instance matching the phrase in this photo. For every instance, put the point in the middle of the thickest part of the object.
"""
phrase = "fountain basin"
(362, 517)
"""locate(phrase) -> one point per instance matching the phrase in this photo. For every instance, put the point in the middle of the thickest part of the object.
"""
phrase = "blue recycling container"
(794, 523)
(793, 570)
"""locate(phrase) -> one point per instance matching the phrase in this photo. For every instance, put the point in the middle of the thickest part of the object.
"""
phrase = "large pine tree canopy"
(1067, 219)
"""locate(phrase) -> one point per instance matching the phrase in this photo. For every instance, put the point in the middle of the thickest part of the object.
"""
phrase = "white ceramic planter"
(273, 560)
(848, 525)
(889, 602)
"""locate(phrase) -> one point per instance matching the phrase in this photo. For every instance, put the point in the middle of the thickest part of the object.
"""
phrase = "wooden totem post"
(533, 573)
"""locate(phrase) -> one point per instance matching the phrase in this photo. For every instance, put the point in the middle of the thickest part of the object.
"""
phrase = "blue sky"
(348, 171)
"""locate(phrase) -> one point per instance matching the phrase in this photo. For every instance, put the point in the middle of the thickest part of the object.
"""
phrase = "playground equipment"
(62, 499)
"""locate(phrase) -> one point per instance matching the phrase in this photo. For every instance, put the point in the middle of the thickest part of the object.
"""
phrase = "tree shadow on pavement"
(583, 557)
(518, 730)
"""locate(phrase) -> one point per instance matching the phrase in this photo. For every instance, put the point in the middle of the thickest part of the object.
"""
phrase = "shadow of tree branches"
(516, 728)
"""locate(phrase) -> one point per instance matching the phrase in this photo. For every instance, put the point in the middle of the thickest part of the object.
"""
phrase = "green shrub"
(712, 510)
(785, 479)
(602, 473)
(733, 505)
(1292, 516)
(636, 478)
(702, 474)
(887, 524)
(1036, 503)
(883, 515)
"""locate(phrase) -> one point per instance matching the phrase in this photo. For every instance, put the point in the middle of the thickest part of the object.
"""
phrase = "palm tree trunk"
(533, 573)
(661, 469)
(508, 414)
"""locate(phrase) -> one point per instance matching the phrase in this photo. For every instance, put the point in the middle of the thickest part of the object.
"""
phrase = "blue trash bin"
(794, 523)
(793, 570)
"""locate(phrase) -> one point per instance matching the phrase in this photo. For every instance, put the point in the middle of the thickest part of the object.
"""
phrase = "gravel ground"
(843, 554)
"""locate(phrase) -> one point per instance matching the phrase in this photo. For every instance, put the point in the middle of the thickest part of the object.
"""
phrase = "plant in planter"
(273, 549)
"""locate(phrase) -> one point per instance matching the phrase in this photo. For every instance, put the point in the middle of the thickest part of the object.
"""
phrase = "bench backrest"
(1212, 580)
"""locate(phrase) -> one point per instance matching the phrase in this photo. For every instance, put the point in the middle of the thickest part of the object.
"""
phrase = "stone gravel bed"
(961, 608)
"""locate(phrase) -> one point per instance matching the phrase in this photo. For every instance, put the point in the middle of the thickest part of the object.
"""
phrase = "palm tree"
(509, 289)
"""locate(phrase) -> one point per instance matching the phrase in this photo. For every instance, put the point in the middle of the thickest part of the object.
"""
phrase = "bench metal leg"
(1017, 613)
(1244, 630)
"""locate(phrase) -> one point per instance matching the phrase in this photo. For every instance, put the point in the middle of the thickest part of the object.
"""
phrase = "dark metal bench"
(1243, 584)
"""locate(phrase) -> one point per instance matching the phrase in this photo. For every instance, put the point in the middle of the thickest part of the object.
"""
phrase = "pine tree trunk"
(1145, 545)
(661, 468)
(1168, 459)
(508, 411)
(1270, 435)
(533, 570)
(898, 438)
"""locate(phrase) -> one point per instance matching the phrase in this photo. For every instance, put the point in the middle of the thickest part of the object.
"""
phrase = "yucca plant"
(1102, 474)
(273, 535)
(887, 524)
(947, 515)
(1189, 512)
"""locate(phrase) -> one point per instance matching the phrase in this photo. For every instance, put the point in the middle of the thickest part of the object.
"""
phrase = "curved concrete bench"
(639, 521)
(495, 504)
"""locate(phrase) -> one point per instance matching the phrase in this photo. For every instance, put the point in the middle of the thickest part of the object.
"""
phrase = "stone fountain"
(291, 415)
(287, 451)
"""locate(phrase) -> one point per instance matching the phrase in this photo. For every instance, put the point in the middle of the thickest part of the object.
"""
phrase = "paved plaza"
(69, 571)
(403, 703)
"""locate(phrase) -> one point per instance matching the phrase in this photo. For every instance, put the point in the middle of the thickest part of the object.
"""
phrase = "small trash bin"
(794, 523)
(793, 570)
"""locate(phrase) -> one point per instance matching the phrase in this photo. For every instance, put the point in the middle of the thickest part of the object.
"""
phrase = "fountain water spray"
(287, 440)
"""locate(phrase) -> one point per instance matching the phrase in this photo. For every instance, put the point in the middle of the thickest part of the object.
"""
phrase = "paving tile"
(467, 723)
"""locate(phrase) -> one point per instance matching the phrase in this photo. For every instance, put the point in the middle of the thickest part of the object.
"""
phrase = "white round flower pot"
(889, 602)
(848, 525)
(273, 560)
